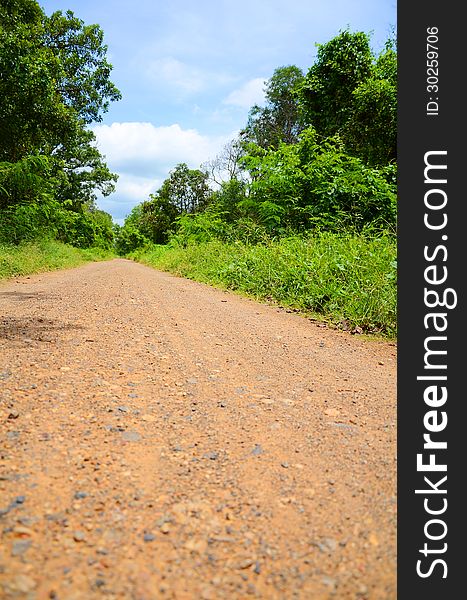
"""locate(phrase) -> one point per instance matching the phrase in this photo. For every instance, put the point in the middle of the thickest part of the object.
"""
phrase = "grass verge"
(45, 255)
(347, 280)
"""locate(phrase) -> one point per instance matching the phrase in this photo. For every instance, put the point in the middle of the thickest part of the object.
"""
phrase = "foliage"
(312, 184)
(25, 181)
(54, 82)
(184, 192)
(32, 114)
(55, 79)
(186, 189)
(202, 227)
(342, 64)
(80, 171)
(228, 199)
(281, 119)
(50, 220)
(158, 216)
(350, 92)
(337, 173)
(128, 239)
(83, 82)
(371, 130)
(91, 228)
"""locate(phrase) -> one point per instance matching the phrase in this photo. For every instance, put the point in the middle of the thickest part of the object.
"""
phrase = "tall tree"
(83, 81)
(280, 120)
(371, 130)
(54, 82)
(157, 218)
(32, 113)
(81, 171)
(342, 64)
(187, 189)
(353, 93)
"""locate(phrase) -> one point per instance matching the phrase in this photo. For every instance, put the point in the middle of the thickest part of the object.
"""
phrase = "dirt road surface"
(163, 439)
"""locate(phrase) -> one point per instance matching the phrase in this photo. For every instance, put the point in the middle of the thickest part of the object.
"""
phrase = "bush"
(198, 228)
(129, 238)
(25, 181)
(315, 184)
(50, 220)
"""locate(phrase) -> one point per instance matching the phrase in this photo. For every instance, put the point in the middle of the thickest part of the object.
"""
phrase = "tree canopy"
(184, 192)
(351, 92)
(281, 119)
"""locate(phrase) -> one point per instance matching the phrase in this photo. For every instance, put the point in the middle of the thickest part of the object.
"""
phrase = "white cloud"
(143, 154)
(137, 188)
(248, 94)
(146, 150)
(130, 191)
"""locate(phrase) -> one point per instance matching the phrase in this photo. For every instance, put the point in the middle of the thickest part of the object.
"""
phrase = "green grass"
(348, 280)
(45, 255)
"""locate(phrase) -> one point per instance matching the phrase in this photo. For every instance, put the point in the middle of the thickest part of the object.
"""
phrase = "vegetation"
(282, 119)
(352, 93)
(54, 83)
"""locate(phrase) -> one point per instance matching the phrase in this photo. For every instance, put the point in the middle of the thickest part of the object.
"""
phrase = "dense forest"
(312, 174)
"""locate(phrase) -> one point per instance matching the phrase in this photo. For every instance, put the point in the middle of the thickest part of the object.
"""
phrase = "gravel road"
(164, 439)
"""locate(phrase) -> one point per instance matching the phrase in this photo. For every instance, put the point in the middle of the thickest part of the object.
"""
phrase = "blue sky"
(190, 71)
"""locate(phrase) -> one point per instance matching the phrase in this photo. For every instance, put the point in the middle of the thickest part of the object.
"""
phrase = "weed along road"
(164, 439)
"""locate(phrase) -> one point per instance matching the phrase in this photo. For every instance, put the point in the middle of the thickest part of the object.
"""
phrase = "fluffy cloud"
(146, 150)
(131, 190)
(143, 154)
(248, 94)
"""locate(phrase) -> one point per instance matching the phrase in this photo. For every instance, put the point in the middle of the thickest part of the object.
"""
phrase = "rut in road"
(164, 439)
